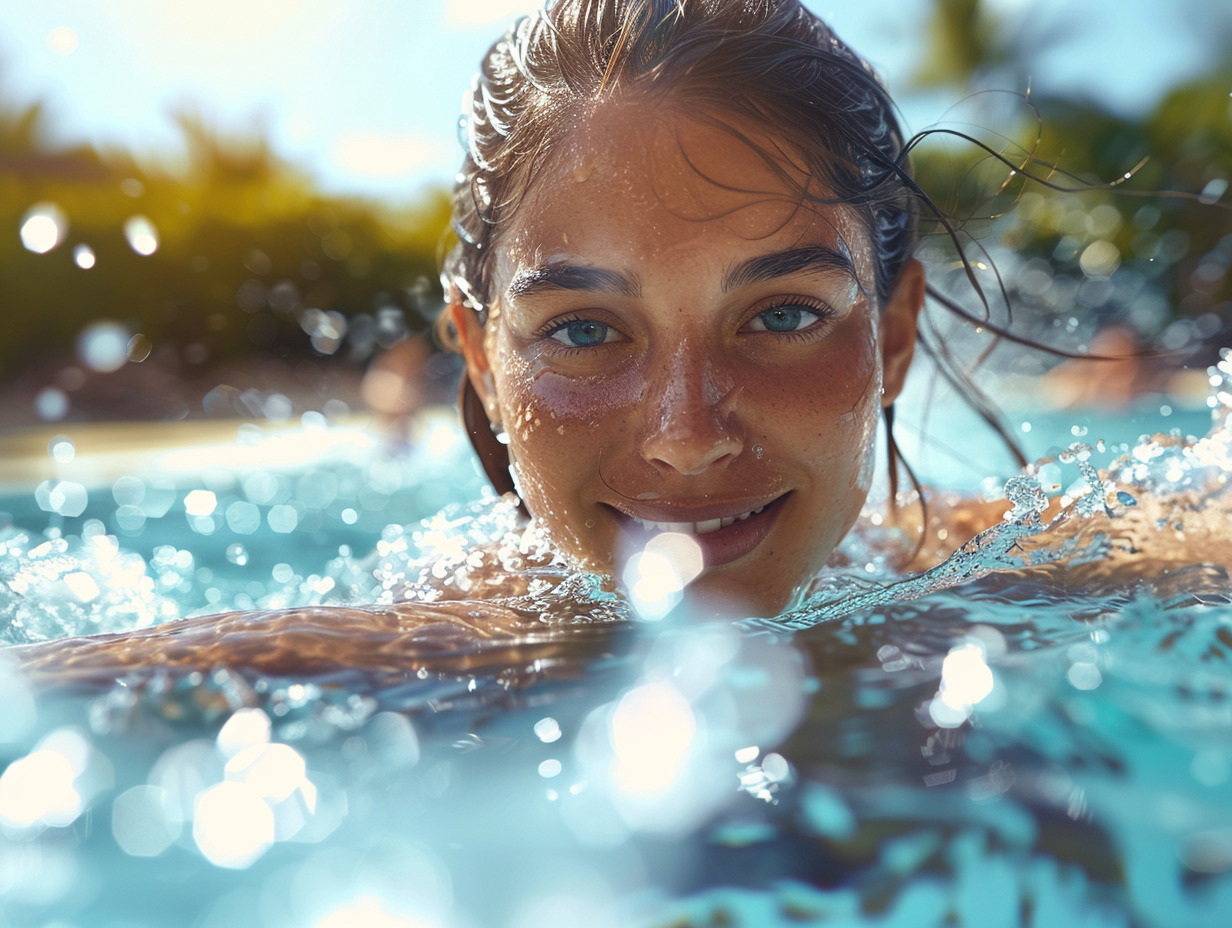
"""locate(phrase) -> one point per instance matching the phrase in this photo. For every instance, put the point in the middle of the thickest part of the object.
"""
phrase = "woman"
(683, 285)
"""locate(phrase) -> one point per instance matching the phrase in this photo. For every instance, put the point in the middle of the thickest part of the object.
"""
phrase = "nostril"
(694, 453)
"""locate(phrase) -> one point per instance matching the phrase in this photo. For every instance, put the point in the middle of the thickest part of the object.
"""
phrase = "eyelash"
(557, 325)
(823, 311)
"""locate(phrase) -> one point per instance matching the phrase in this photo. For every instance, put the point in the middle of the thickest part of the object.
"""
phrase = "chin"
(708, 599)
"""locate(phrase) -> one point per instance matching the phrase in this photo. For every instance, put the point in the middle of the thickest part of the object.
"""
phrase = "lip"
(721, 546)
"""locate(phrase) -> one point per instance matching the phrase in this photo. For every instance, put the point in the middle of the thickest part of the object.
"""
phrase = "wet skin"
(678, 341)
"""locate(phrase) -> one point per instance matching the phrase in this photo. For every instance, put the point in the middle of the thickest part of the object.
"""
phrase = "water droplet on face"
(582, 171)
(758, 451)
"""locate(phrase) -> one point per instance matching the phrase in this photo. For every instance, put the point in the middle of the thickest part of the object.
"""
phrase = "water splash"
(1181, 483)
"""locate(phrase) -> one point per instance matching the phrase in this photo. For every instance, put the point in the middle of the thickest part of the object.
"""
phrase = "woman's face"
(678, 343)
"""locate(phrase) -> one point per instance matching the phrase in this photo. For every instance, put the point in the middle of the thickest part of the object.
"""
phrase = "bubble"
(547, 730)
(243, 518)
(82, 585)
(965, 677)
(282, 518)
(51, 404)
(61, 449)
(103, 346)
(83, 257)
(1213, 190)
(141, 234)
(326, 329)
(63, 497)
(139, 348)
(39, 787)
(200, 502)
(1083, 675)
(129, 519)
(245, 728)
(550, 768)
(43, 227)
(232, 825)
(1100, 259)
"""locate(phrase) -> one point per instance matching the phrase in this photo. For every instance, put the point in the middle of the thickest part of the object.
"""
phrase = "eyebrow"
(573, 277)
(783, 263)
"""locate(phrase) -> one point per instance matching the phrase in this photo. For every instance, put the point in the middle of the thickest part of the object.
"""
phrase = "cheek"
(562, 432)
(826, 410)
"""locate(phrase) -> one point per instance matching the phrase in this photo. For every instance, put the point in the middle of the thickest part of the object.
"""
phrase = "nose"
(691, 425)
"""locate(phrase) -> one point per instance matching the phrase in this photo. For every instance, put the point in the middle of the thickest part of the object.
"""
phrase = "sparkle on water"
(956, 747)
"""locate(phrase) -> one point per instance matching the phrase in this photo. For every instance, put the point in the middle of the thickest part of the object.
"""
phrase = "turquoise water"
(986, 745)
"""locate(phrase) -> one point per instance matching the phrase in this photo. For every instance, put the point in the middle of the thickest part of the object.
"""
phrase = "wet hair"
(767, 64)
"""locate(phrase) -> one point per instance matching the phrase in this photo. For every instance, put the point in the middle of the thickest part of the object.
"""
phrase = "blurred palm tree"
(1130, 216)
(242, 253)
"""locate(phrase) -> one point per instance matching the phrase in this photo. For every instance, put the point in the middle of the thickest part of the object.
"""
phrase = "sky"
(365, 94)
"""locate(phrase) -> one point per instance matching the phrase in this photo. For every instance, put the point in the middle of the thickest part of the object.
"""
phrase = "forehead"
(632, 175)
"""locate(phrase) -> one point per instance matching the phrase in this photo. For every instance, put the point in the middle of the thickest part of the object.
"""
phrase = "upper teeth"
(695, 528)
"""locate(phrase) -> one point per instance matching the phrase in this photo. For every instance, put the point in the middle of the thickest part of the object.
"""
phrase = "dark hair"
(769, 63)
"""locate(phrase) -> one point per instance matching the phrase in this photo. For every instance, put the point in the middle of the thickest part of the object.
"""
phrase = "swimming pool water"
(1008, 751)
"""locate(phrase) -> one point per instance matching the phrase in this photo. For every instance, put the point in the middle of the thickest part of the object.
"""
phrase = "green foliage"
(1093, 191)
(247, 249)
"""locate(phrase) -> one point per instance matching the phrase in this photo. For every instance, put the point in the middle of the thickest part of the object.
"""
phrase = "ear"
(478, 370)
(477, 399)
(898, 329)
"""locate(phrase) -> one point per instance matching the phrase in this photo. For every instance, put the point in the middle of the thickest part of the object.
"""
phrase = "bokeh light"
(141, 235)
(232, 824)
(43, 227)
(103, 346)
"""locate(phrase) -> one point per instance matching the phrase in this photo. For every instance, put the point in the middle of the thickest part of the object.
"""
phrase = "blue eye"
(786, 318)
(581, 333)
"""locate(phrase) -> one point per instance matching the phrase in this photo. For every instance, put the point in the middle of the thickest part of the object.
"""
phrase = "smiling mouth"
(722, 538)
